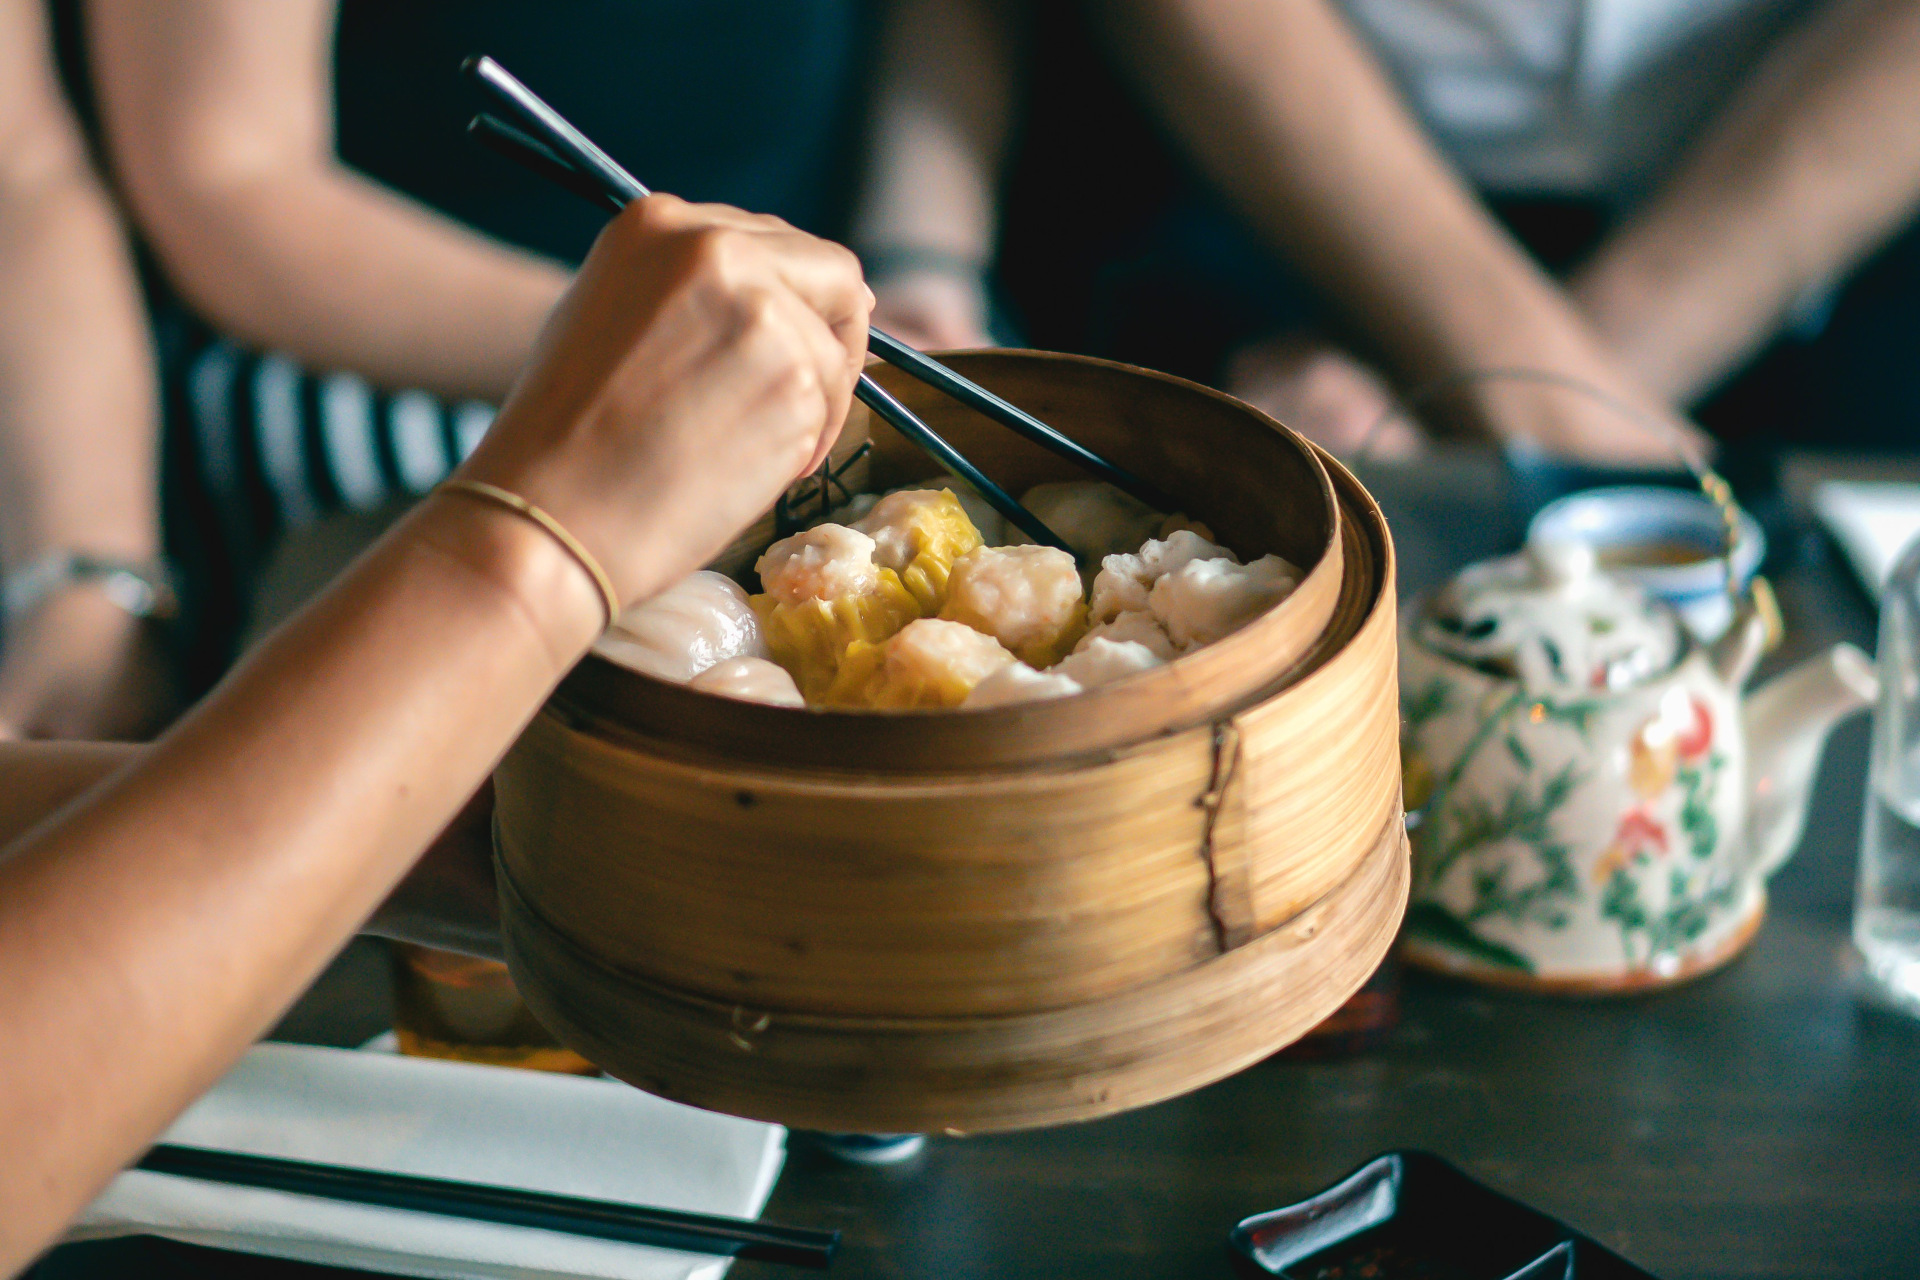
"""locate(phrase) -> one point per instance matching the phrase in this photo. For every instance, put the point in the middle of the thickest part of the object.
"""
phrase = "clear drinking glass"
(1886, 919)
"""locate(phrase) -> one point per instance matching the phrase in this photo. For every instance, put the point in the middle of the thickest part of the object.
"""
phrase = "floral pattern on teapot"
(1594, 805)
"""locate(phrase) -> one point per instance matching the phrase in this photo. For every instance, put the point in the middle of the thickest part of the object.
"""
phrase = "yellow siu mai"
(918, 534)
(929, 664)
(822, 594)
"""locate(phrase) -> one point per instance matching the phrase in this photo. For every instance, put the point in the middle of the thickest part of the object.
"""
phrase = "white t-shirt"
(1576, 97)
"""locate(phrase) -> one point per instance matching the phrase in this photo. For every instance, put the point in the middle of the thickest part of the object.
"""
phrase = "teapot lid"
(1550, 619)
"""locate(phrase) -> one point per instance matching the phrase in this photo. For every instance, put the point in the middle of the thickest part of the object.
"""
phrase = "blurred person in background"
(79, 523)
(351, 285)
(1684, 204)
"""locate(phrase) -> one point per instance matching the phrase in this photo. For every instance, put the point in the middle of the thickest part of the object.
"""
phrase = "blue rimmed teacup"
(1670, 541)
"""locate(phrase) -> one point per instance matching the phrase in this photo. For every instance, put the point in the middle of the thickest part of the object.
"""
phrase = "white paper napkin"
(525, 1129)
(1873, 523)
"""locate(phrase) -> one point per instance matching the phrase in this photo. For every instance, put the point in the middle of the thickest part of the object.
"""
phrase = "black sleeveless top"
(755, 103)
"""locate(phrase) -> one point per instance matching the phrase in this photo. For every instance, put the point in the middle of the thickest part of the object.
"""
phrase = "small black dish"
(1408, 1215)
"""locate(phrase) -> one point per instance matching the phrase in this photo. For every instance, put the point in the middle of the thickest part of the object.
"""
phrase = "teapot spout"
(1787, 723)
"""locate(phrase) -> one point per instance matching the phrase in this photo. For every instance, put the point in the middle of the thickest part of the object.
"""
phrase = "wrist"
(521, 565)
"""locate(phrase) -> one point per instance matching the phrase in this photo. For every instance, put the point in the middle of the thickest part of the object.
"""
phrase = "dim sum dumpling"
(1018, 682)
(918, 534)
(1125, 580)
(1203, 600)
(750, 680)
(1100, 661)
(929, 663)
(1134, 626)
(825, 562)
(698, 621)
(1028, 598)
(1091, 516)
(823, 593)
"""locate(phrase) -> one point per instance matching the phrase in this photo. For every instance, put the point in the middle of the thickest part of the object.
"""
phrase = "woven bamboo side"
(978, 894)
(971, 1074)
(1308, 795)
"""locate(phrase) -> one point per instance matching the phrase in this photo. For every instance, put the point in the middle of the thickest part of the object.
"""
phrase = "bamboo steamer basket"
(993, 919)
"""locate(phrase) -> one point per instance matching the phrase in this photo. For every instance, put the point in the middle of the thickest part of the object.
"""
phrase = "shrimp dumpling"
(1018, 682)
(1203, 600)
(1028, 598)
(750, 680)
(929, 663)
(699, 621)
(1125, 580)
(823, 592)
(1091, 516)
(1133, 626)
(918, 534)
(1100, 661)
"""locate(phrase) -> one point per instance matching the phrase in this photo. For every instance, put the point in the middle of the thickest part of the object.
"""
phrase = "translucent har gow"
(750, 680)
(1028, 598)
(699, 621)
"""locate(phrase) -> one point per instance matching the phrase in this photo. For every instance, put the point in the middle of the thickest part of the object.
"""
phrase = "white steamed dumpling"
(1134, 626)
(700, 620)
(1100, 661)
(1125, 580)
(1018, 682)
(1204, 600)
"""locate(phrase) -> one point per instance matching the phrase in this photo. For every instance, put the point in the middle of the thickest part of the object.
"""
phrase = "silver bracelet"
(143, 590)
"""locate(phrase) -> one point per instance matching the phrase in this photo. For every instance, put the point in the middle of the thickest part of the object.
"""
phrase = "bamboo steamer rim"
(604, 697)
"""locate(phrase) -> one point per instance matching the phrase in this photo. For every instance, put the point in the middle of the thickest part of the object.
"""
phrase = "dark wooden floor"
(1760, 1122)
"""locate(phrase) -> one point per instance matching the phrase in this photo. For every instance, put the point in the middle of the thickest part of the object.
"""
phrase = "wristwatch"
(143, 590)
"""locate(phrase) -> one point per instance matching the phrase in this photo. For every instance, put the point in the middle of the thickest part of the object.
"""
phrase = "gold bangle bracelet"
(521, 507)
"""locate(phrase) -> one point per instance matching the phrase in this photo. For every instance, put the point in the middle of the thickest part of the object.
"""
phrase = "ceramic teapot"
(1594, 804)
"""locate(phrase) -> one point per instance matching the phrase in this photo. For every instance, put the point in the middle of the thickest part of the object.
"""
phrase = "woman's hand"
(703, 360)
(1324, 394)
(933, 310)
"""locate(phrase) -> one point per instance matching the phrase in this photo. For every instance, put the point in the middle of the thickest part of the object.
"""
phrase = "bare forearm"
(158, 928)
(219, 113)
(1289, 114)
(942, 113)
(1814, 163)
(340, 273)
(78, 464)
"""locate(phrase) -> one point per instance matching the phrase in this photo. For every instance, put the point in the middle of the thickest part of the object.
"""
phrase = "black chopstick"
(976, 397)
(504, 140)
(477, 1202)
(556, 140)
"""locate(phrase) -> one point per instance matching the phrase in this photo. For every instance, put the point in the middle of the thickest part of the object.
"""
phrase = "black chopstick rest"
(477, 1202)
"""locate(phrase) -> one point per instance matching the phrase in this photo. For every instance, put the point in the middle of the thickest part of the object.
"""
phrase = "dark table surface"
(1759, 1122)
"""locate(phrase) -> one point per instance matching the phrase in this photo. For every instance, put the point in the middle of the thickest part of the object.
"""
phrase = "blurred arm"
(927, 217)
(220, 118)
(1284, 108)
(1814, 164)
(78, 464)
